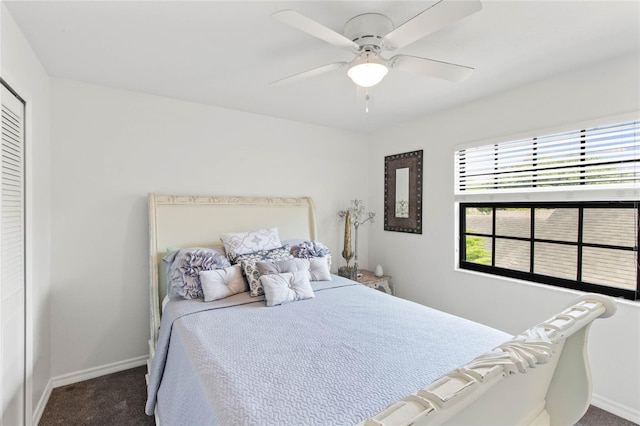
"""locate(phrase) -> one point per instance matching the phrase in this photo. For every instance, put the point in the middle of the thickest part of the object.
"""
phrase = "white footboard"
(541, 377)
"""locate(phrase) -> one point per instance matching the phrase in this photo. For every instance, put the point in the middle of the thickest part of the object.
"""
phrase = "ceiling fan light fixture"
(368, 69)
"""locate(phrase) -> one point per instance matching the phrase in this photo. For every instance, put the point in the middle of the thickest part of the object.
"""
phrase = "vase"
(379, 272)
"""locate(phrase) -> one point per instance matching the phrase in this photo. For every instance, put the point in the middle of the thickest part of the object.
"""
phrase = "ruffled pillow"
(307, 249)
(286, 287)
(183, 271)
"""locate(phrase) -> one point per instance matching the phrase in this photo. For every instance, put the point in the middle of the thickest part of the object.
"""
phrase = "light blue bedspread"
(336, 359)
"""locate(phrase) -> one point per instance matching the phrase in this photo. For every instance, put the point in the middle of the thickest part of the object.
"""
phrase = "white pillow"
(220, 283)
(319, 268)
(287, 287)
(237, 243)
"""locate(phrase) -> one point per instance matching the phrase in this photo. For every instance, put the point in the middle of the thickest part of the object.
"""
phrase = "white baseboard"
(37, 413)
(615, 408)
(92, 373)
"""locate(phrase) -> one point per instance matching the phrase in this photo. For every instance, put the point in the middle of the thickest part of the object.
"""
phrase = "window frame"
(579, 243)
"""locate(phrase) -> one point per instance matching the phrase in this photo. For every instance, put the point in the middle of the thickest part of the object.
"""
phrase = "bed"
(348, 354)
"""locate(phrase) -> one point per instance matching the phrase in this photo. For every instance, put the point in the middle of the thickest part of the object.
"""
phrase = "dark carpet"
(119, 399)
(115, 399)
(598, 417)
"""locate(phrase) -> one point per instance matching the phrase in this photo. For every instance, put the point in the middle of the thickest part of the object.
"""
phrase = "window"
(590, 245)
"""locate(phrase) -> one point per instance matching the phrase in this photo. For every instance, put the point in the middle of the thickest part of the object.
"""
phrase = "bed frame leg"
(570, 390)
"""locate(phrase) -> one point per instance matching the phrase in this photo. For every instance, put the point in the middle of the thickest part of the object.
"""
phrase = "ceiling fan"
(369, 34)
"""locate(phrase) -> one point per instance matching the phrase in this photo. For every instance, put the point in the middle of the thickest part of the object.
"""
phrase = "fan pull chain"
(366, 107)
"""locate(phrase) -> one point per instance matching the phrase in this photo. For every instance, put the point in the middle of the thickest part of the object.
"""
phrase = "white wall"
(422, 266)
(21, 69)
(112, 147)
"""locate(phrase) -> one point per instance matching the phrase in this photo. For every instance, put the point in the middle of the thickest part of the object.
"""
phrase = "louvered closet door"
(12, 271)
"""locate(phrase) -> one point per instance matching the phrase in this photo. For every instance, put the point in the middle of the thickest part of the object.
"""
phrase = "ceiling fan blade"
(309, 73)
(311, 27)
(430, 20)
(431, 67)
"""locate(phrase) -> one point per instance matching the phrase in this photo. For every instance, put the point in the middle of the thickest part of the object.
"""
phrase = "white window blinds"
(600, 155)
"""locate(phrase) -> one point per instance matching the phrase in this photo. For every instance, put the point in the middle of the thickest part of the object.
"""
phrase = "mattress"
(336, 359)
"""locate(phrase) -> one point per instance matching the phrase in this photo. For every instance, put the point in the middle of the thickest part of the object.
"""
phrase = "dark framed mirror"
(403, 192)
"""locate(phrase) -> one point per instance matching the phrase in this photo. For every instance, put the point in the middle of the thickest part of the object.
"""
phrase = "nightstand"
(379, 283)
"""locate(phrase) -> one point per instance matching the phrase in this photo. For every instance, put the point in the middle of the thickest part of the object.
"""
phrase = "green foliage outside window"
(476, 252)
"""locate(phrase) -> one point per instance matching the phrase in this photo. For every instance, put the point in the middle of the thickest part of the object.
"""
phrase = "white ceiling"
(225, 53)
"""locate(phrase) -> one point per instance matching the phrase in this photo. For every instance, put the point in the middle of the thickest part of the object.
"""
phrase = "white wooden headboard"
(197, 221)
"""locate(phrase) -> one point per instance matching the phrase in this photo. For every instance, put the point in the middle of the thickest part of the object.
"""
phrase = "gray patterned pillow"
(238, 243)
(248, 264)
(183, 269)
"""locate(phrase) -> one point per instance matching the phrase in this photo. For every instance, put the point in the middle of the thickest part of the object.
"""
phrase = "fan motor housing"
(368, 29)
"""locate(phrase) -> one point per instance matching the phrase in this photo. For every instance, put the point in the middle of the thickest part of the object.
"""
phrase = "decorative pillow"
(183, 269)
(309, 249)
(293, 242)
(216, 249)
(319, 268)
(316, 266)
(221, 283)
(237, 243)
(248, 264)
(282, 266)
(287, 287)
